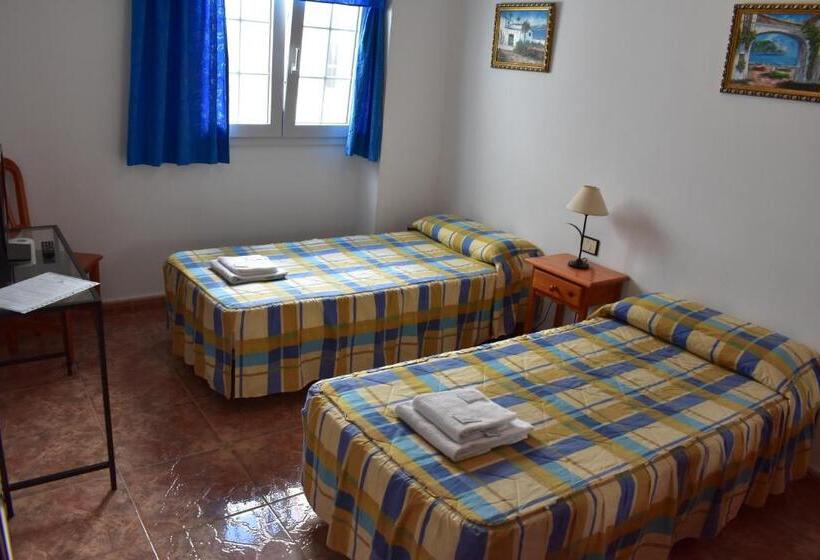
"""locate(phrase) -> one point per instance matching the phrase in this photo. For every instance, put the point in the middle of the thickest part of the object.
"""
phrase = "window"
(292, 67)
(249, 54)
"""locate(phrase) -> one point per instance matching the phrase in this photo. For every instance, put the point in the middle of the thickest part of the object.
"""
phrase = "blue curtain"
(364, 137)
(178, 111)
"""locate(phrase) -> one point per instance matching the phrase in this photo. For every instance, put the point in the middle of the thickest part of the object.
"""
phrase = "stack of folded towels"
(246, 269)
(462, 423)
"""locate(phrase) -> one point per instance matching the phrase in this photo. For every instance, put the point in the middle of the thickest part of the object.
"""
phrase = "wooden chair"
(17, 216)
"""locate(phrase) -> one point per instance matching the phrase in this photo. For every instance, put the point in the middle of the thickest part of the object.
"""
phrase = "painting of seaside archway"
(523, 36)
(774, 51)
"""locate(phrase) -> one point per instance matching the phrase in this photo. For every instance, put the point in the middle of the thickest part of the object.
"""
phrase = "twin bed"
(654, 421)
(348, 304)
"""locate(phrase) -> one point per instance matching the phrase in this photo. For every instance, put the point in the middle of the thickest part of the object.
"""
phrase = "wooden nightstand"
(552, 277)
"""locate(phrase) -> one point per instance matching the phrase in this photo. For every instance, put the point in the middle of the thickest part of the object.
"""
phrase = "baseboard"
(131, 305)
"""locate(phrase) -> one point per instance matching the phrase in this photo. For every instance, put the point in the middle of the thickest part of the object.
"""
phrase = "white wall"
(712, 196)
(63, 106)
(408, 179)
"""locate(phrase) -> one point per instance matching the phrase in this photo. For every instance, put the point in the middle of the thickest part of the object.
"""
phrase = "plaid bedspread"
(348, 304)
(654, 421)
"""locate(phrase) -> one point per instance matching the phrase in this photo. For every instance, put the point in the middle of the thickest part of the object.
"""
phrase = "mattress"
(348, 304)
(654, 421)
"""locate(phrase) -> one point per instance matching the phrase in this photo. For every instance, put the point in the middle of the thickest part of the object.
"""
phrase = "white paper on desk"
(40, 291)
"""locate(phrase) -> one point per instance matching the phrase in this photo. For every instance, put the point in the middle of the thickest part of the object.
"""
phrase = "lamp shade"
(588, 201)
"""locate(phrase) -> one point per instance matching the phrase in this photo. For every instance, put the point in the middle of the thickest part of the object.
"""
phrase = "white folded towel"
(462, 414)
(518, 430)
(248, 265)
(234, 280)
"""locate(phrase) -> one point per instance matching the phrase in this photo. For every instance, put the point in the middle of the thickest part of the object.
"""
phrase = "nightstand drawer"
(556, 288)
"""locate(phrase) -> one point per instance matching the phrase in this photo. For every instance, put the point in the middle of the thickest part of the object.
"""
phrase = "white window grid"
(287, 19)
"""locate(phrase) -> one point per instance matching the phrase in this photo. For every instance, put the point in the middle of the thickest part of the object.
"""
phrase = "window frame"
(277, 64)
(290, 128)
(283, 98)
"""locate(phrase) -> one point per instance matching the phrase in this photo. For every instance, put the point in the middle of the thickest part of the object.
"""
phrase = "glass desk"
(62, 262)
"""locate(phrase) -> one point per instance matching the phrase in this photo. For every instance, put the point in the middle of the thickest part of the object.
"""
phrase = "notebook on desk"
(40, 291)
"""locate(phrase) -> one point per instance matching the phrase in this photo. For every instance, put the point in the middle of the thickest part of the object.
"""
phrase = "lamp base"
(580, 264)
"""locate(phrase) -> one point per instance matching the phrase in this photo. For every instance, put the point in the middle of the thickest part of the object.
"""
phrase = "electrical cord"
(541, 322)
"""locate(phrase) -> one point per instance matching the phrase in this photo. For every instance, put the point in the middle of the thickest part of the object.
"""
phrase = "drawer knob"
(553, 288)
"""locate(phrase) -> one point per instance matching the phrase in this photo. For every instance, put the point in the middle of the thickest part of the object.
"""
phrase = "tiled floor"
(204, 478)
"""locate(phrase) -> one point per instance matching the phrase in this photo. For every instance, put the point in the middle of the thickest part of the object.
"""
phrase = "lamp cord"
(540, 324)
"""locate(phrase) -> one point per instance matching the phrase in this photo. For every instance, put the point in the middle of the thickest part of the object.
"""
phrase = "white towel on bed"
(234, 280)
(463, 414)
(248, 265)
(518, 430)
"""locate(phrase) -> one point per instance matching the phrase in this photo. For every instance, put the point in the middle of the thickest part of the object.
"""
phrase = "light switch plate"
(591, 246)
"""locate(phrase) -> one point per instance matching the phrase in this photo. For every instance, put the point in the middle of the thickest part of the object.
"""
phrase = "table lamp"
(589, 202)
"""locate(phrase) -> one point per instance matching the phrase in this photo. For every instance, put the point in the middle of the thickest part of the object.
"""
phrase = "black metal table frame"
(110, 464)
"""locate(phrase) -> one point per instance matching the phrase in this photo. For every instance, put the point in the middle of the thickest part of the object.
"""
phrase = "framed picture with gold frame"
(523, 34)
(774, 51)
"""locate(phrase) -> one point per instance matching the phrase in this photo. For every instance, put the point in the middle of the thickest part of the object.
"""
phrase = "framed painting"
(523, 36)
(774, 51)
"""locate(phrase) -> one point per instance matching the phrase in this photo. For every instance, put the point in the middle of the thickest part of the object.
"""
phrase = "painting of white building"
(523, 36)
(514, 29)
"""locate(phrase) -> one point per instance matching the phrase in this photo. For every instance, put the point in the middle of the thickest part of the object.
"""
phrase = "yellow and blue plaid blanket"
(654, 421)
(348, 304)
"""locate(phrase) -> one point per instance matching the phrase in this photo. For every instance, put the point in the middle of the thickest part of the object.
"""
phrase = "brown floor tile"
(82, 520)
(316, 549)
(255, 534)
(154, 436)
(50, 428)
(191, 492)
(145, 356)
(138, 391)
(274, 462)
(304, 527)
(37, 410)
(135, 331)
(242, 419)
(197, 387)
(34, 374)
(141, 549)
(177, 546)
(32, 335)
(77, 445)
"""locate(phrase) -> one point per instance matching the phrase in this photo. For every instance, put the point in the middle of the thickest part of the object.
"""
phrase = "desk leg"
(4, 477)
(559, 315)
(112, 469)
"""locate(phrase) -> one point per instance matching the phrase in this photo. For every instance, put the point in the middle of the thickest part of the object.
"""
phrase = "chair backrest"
(15, 217)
